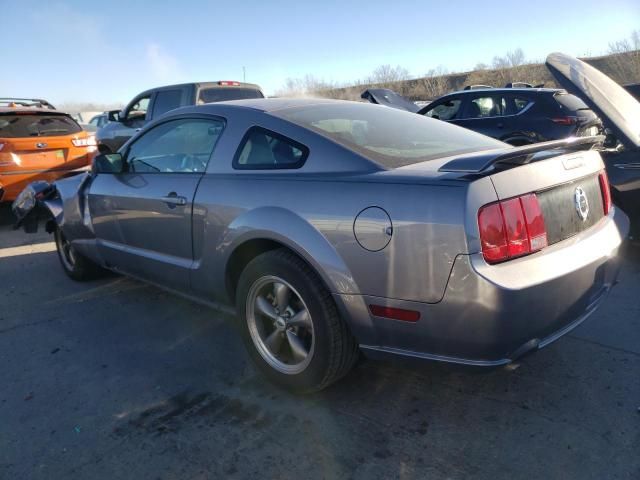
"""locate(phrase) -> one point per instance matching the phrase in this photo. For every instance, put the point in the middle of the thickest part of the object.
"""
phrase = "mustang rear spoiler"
(519, 155)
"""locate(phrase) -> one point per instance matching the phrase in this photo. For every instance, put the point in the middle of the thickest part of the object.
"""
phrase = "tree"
(434, 83)
(305, 86)
(385, 75)
(624, 60)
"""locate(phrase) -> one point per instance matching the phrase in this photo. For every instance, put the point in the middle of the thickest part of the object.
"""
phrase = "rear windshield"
(390, 137)
(37, 125)
(570, 102)
(221, 94)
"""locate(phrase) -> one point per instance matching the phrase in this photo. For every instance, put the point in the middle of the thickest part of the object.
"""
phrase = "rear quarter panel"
(315, 217)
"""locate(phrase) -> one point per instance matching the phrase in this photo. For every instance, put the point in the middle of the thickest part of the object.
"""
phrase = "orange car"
(38, 142)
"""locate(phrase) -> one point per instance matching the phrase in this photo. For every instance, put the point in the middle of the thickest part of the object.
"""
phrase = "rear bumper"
(491, 315)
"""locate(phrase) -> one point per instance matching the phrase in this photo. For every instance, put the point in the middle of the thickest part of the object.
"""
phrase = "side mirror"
(113, 115)
(610, 140)
(107, 163)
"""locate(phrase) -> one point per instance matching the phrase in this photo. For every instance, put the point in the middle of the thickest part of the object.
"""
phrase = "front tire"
(75, 265)
(290, 324)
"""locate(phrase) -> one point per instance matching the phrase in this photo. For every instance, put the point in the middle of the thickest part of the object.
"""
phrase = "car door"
(484, 113)
(142, 216)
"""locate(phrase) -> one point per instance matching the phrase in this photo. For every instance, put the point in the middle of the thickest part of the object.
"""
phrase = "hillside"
(622, 67)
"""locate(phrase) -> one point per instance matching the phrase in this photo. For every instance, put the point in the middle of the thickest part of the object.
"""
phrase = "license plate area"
(561, 210)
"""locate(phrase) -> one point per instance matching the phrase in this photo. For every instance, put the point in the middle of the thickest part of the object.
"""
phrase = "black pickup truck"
(150, 104)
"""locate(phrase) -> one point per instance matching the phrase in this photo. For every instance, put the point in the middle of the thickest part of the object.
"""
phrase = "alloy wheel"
(280, 324)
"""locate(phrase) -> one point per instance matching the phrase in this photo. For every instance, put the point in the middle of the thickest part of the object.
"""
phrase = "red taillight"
(517, 239)
(395, 313)
(606, 192)
(492, 233)
(511, 228)
(565, 120)
(228, 83)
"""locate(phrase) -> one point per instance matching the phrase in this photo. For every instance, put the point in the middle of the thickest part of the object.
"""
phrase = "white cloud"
(163, 66)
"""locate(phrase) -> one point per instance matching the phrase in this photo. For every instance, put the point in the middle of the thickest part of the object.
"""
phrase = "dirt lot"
(116, 379)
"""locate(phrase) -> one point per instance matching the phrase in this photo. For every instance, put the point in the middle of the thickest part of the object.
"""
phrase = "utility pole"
(244, 74)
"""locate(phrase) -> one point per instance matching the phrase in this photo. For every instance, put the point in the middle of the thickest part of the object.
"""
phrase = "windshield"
(390, 137)
(221, 94)
(30, 125)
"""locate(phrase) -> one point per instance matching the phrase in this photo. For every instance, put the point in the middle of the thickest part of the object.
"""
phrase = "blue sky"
(108, 51)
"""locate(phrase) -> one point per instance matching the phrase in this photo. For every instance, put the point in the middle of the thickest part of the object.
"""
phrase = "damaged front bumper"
(35, 202)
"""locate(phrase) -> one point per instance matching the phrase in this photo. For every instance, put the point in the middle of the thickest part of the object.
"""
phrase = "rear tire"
(75, 265)
(296, 339)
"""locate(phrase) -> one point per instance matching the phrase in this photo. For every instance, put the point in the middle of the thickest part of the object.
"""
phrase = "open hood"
(614, 105)
(389, 98)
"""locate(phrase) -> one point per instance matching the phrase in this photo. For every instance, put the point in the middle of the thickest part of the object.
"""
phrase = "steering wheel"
(191, 163)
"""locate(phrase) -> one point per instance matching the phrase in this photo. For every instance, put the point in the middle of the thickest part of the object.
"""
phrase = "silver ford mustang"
(334, 228)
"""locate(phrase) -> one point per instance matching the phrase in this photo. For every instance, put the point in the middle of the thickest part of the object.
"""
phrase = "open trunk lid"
(389, 98)
(616, 106)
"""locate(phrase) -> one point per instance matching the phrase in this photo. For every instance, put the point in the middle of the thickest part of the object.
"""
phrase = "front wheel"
(74, 264)
(290, 323)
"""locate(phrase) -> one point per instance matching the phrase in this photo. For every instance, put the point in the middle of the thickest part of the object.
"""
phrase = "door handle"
(174, 199)
(500, 125)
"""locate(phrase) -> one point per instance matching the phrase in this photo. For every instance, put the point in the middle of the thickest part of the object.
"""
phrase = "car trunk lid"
(567, 187)
(617, 107)
(389, 98)
(34, 138)
(37, 152)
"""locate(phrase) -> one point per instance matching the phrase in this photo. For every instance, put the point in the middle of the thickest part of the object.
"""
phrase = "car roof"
(215, 84)
(48, 111)
(507, 90)
(263, 105)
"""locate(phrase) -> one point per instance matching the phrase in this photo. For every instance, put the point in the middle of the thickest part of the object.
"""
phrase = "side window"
(166, 100)
(262, 149)
(483, 107)
(178, 146)
(445, 111)
(138, 111)
(520, 104)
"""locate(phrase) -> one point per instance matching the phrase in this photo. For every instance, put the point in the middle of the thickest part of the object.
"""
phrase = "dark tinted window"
(570, 102)
(166, 100)
(262, 149)
(520, 103)
(487, 106)
(220, 94)
(445, 111)
(182, 146)
(388, 136)
(36, 125)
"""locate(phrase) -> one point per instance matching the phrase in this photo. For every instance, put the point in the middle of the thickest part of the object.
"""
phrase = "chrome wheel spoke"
(280, 324)
(265, 308)
(274, 341)
(282, 293)
(300, 319)
(297, 347)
